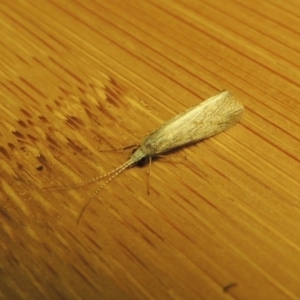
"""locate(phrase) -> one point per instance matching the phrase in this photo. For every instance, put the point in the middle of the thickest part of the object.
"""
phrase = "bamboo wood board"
(77, 78)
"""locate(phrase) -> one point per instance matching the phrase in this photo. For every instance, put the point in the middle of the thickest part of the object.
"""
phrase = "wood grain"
(80, 77)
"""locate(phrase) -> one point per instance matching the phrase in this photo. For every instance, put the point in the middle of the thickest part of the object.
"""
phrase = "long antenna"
(90, 181)
(94, 179)
(113, 174)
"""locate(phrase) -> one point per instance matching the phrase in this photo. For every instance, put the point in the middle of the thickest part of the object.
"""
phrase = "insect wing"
(197, 123)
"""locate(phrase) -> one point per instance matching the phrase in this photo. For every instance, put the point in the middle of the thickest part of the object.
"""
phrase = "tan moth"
(202, 121)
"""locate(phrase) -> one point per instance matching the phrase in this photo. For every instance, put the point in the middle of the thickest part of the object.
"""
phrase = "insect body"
(197, 123)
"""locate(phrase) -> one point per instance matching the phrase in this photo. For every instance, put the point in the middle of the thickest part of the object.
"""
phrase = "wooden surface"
(78, 77)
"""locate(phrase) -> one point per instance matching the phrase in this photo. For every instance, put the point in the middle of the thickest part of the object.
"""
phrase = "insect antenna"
(94, 179)
(114, 173)
(87, 182)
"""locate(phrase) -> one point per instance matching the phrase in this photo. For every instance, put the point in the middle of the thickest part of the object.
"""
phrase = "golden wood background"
(78, 77)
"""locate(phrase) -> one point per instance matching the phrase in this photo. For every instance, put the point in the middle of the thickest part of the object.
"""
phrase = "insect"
(197, 123)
